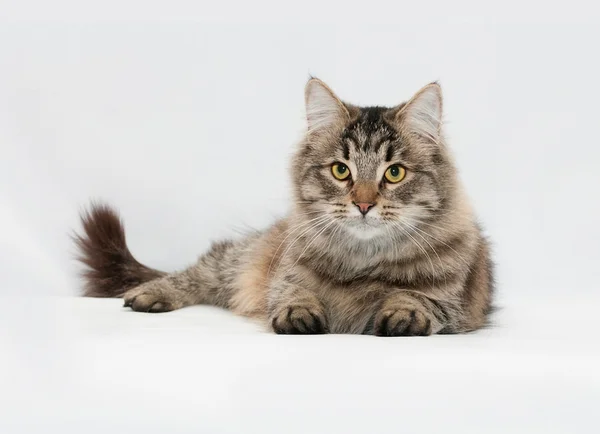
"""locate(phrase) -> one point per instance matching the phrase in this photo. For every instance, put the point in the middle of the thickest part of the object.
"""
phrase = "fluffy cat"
(381, 238)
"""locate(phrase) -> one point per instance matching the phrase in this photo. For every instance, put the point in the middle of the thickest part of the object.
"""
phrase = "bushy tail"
(111, 269)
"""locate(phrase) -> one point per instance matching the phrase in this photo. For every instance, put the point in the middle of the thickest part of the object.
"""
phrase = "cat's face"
(371, 171)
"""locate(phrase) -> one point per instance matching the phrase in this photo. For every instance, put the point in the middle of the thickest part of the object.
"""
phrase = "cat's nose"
(364, 207)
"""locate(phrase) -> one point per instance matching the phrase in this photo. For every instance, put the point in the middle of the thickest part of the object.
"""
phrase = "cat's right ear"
(324, 110)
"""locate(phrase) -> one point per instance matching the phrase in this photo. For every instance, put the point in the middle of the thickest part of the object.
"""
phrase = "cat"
(381, 238)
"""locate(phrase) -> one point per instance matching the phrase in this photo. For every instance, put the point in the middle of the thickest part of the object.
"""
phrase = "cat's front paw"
(300, 320)
(402, 321)
(151, 297)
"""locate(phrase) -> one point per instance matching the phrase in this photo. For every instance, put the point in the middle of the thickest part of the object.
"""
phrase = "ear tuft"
(323, 108)
(422, 115)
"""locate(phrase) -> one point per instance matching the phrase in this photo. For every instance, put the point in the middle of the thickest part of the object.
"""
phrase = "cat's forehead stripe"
(389, 153)
(370, 132)
(346, 150)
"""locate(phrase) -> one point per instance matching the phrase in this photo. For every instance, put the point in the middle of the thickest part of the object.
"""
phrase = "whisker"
(314, 226)
(413, 215)
(291, 231)
(432, 248)
(398, 224)
(313, 240)
(442, 242)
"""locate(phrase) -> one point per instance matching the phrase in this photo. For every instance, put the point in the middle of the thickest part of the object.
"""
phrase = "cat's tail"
(111, 269)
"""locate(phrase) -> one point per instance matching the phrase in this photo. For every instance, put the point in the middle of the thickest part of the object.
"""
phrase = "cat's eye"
(395, 174)
(340, 171)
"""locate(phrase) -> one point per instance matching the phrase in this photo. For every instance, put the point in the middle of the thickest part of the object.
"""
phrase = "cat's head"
(372, 170)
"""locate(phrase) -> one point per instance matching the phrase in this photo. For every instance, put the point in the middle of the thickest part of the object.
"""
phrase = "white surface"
(90, 366)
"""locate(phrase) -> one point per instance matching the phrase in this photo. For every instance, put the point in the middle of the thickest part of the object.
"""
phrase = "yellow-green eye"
(340, 171)
(395, 174)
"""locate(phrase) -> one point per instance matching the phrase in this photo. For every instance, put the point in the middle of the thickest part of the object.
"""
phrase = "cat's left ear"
(422, 115)
(324, 109)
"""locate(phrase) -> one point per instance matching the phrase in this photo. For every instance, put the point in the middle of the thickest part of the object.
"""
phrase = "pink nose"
(364, 207)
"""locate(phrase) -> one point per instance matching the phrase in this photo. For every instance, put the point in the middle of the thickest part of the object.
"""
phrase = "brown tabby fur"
(415, 264)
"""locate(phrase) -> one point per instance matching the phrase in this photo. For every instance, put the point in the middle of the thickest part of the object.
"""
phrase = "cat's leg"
(412, 313)
(209, 281)
(168, 293)
(292, 305)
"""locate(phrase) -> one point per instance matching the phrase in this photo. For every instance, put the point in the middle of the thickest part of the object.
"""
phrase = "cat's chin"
(364, 230)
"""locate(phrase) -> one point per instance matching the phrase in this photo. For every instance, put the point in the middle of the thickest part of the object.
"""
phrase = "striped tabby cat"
(381, 238)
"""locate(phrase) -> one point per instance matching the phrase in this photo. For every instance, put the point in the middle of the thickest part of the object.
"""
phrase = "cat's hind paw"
(150, 297)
